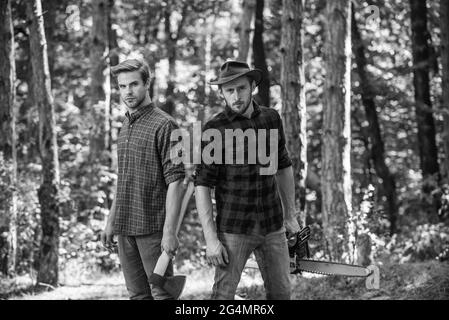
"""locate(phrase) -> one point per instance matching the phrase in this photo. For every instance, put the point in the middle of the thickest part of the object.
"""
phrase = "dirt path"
(429, 280)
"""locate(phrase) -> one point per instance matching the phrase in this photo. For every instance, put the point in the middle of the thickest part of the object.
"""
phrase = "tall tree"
(100, 80)
(8, 210)
(171, 42)
(444, 27)
(428, 151)
(50, 9)
(336, 165)
(263, 95)
(244, 28)
(48, 192)
(205, 53)
(293, 94)
(113, 51)
(376, 144)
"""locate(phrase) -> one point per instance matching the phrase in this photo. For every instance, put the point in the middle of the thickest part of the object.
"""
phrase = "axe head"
(173, 285)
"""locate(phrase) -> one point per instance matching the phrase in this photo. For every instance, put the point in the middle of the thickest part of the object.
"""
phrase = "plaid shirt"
(144, 171)
(244, 198)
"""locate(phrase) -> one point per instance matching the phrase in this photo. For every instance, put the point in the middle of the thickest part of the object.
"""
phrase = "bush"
(79, 245)
(427, 241)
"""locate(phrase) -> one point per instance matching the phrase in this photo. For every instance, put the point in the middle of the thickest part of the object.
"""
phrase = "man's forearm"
(172, 206)
(286, 188)
(112, 210)
(205, 213)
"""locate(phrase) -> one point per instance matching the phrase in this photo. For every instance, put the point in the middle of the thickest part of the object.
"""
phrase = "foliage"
(80, 250)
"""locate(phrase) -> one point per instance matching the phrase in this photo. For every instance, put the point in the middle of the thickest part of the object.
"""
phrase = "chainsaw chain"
(323, 273)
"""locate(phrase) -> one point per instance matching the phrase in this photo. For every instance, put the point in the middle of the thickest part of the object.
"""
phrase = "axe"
(175, 284)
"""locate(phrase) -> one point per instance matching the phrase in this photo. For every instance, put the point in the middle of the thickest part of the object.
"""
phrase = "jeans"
(138, 256)
(271, 253)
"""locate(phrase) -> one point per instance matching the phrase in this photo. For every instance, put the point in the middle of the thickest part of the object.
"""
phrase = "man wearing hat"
(254, 210)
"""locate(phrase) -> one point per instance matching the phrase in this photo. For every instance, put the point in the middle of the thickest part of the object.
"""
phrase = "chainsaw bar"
(332, 268)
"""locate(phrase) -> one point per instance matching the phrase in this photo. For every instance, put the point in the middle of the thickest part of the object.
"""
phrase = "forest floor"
(409, 281)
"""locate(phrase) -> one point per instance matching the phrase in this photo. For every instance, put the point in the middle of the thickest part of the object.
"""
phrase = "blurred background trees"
(385, 177)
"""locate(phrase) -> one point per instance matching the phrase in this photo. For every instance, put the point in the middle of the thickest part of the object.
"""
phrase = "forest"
(362, 88)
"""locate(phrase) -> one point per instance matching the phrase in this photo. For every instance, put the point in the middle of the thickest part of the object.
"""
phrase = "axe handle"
(164, 259)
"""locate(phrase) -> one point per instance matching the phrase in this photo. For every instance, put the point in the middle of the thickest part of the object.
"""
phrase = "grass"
(410, 281)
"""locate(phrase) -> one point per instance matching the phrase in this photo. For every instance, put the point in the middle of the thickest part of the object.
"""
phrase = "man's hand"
(169, 243)
(216, 253)
(291, 224)
(107, 238)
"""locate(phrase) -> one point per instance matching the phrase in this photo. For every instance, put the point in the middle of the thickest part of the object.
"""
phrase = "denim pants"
(138, 256)
(271, 253)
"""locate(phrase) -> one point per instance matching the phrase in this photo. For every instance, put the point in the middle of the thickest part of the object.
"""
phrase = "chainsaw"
(300, 261)
(298, 250)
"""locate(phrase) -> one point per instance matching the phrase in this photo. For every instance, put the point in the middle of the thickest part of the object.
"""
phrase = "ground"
(416, 281)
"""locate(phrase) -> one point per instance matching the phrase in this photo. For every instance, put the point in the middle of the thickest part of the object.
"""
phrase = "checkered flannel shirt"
(243, 197)
(144, 171)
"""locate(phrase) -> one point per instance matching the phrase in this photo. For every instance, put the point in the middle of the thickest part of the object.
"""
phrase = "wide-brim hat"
(231, 70)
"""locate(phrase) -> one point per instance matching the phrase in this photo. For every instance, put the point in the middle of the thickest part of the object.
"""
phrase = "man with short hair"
(144, 213)
(254, 209)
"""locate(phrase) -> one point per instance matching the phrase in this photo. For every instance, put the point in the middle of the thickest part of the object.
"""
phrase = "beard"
(240, 107)
(133, 102)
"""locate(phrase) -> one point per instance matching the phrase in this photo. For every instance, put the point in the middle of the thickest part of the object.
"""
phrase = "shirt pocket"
(138, 150)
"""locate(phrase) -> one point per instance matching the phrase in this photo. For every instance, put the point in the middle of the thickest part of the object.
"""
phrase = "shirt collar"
(140, 112)
(231, 114)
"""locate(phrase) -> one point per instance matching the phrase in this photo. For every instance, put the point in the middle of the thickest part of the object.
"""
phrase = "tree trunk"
(263, 96)
(8, 207)
(444, 27)
(100, 82)
(428, 151)
(113, 52)
(293, 95)
(48, 193)
(336, 164)
(244, 29)
(205, 54)
(169, 105)
(50, 8)
(376, 146)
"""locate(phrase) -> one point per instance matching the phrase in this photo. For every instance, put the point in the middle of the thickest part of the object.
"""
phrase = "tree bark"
(444, 27)
(8, 209)
(376, 144)
(293, 95)
(169, 106)
(263, 95)
(48, 192)
(113, 52)
(244, 29)
(50, 8)
(428, 151)
(336, 164)
(171, 42)
(100, 81)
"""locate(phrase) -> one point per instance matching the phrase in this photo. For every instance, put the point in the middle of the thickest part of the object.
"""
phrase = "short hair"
(132, 65)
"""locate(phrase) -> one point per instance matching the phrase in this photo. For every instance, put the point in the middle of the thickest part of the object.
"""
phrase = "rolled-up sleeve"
(284, 160)
(206, 174)
(171, 171)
